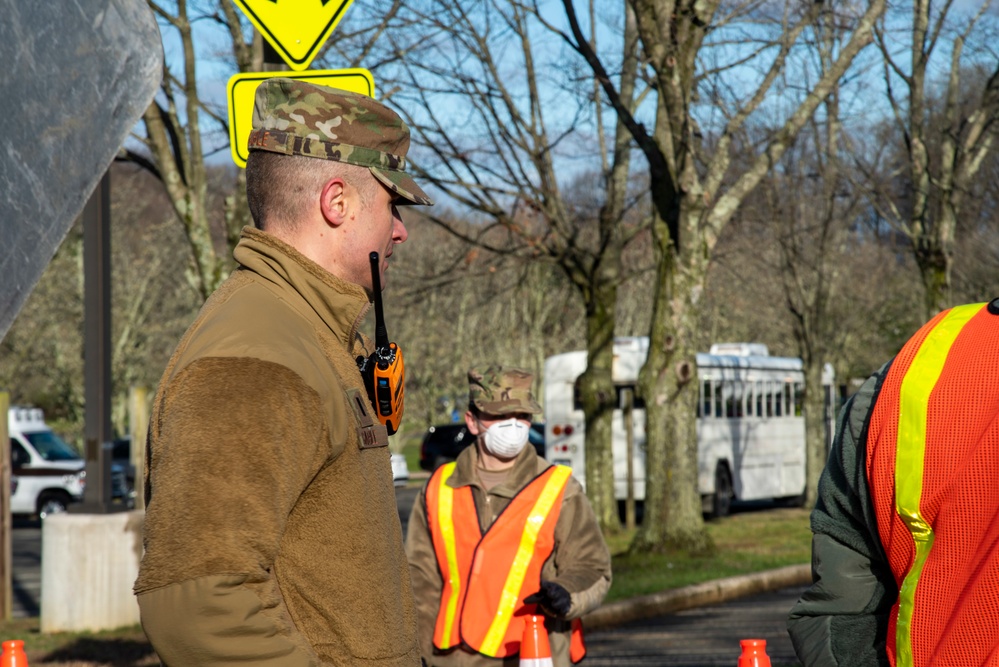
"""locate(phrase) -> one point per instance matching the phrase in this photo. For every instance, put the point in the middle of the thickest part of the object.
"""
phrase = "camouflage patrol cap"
(501, 391)
(298, 118)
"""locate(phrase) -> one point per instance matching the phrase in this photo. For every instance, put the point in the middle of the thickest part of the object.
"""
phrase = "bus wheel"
(721, 501)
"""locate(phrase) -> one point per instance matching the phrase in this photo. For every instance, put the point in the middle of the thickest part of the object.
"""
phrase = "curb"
(696, 595)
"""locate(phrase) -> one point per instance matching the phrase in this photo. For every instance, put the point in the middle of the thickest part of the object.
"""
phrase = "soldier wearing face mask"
(501, 534)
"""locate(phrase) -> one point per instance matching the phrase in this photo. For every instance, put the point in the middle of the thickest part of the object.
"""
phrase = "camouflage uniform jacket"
(271, 534)
(580, 562)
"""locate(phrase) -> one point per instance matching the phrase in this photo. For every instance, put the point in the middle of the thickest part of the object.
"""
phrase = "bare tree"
(947, 134)
(175, 147)
(976, 265)
(814, 209)
(455, 306)
(696, 192)
(500, 115)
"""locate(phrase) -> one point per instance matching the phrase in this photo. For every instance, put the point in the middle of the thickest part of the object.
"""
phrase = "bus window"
(760, 399)
(735, 399)
(716, 401)
(799, 398)
(704, 400)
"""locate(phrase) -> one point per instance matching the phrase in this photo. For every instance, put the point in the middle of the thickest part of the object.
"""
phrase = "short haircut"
(280, 189)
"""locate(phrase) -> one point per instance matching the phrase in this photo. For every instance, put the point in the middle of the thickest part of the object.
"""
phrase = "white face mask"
(507, 438)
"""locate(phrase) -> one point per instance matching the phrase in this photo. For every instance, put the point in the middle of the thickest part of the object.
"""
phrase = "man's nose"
(399, 232)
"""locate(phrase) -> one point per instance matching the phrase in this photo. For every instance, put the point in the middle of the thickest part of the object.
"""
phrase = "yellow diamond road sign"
(295, 28)
(242, 88)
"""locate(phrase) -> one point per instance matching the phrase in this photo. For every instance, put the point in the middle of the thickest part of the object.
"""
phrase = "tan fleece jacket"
(580, 562)
(272, 535)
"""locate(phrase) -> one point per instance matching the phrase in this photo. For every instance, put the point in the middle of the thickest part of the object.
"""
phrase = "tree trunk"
(934, 262)
(815, 429)
(597, 393)
(668, 383)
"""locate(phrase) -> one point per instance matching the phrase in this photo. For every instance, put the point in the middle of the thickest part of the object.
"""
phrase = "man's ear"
(333, 201)
(471, 422)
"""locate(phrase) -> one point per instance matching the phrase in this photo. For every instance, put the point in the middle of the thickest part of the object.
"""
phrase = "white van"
(47, 475)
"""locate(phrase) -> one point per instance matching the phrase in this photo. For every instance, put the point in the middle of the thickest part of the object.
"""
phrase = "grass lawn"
(126, 647)
(748, 541)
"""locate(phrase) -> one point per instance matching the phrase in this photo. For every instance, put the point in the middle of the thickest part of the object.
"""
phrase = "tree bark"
(668, 383)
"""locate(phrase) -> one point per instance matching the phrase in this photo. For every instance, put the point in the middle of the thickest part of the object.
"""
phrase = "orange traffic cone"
(535, 651)
(13, 654)
(754, 653)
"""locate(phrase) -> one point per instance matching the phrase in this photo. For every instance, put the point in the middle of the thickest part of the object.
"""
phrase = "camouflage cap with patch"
(298, 118)
(502, 391)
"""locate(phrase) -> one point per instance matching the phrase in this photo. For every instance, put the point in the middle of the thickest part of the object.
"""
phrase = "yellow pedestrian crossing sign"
(296, 29)
(242, 88)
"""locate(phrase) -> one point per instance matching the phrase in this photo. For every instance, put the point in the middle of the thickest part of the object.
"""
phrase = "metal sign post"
(97, 348)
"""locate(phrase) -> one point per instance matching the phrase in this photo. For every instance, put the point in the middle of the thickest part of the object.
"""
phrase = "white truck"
(47, 475)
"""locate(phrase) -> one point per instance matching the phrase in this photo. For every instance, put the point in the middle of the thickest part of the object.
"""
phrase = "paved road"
(26, 548)
(703, 637)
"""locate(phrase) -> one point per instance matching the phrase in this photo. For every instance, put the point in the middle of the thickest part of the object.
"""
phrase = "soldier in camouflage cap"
(266, 384)
(499, 492)
(298, 118)
(501, 391)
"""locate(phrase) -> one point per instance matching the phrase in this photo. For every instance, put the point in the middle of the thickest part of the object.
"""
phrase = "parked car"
(444, 442)
(47, 475)
(121, 455)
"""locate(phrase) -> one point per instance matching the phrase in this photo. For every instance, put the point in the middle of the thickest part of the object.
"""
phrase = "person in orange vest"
(905, 551)
(500, 534)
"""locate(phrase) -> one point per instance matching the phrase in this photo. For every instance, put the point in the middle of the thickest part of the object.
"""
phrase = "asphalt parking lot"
(703, 636)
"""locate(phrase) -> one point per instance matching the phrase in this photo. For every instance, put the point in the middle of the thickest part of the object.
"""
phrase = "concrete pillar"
(89, 563)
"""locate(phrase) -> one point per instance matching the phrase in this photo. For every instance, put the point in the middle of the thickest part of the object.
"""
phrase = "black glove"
(552, 598)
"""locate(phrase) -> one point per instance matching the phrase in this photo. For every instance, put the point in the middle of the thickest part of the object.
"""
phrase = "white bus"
(750, 427)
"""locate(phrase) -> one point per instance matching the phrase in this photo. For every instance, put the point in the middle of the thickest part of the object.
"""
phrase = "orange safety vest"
(932, 458)
(497, 569)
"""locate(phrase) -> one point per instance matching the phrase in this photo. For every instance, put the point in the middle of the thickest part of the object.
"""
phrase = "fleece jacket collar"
(339, 304)
(525, 468)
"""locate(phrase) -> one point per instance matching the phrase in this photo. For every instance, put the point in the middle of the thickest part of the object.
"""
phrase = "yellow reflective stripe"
(510, 597)
(910, 450)
(445, 519)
